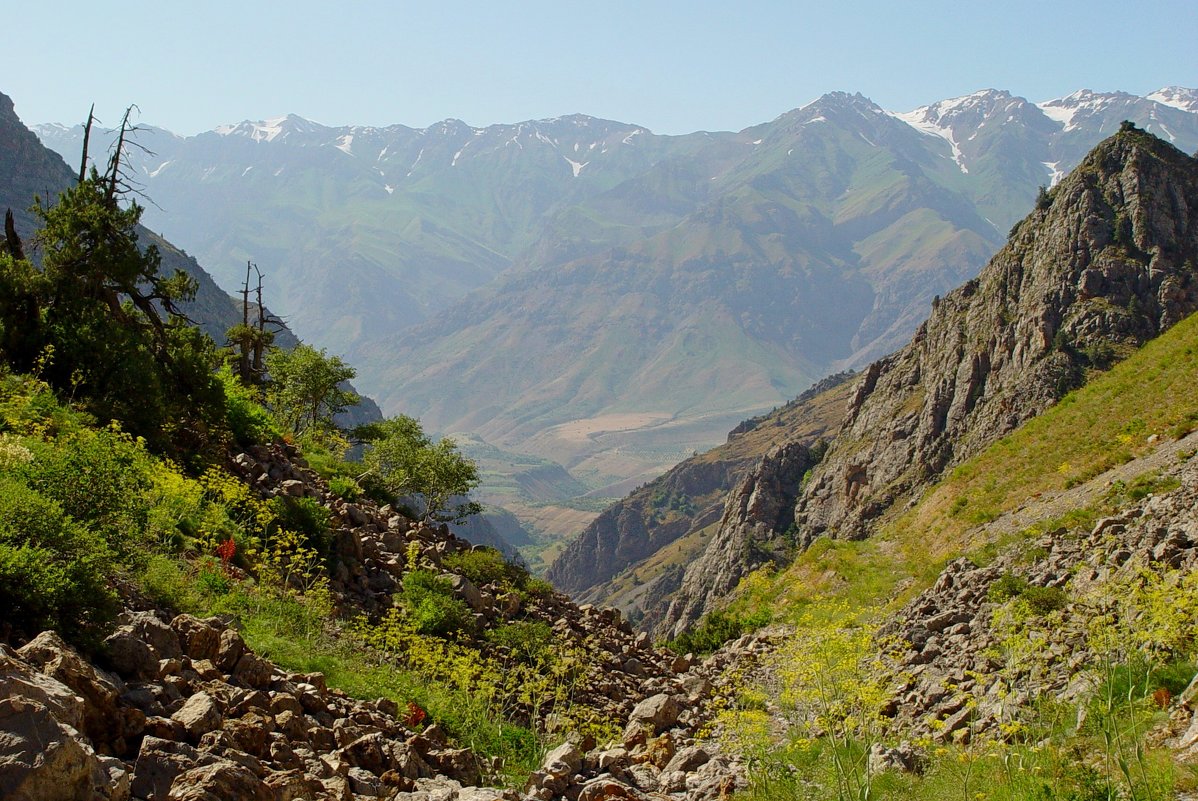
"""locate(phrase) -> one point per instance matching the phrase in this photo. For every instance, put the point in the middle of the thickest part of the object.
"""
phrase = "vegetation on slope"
(1141, 654)
(116, 420)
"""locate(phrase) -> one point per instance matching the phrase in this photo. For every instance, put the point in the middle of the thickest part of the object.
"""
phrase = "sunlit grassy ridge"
(1107, 422)
(1094, 747)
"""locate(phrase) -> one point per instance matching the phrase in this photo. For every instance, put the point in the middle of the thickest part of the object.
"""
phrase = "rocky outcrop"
(756, 528)
(643, 523)
(1107, 261)
(683, 502)
(953, 683)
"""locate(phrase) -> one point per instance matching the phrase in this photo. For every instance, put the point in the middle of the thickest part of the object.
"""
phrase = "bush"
(1007, 586)
(248, 420)
(486, 566)
(716, 629)
(531, 643)
(99, 478)
(53, 571)
(1043, 600)
(429, 602)
(345, 487)
(308, 518)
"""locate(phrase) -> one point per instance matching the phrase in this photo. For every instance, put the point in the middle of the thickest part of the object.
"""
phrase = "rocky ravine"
(1107, 261)
(182, 709)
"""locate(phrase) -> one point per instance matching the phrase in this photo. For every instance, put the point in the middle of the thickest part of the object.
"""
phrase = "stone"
(687, 760)
(42, 759)
(159, 762)
(253, 671)
(219, 781)
(102, 722)
(904, 758)
(564, 760)
(465, 589)
(230, 649)
(606, 788)
(130, 656)
(199, 639)
(199, 715)
(659, 712)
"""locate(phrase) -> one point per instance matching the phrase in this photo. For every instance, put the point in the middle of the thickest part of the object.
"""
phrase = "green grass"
(295, 635)
(1105, 423)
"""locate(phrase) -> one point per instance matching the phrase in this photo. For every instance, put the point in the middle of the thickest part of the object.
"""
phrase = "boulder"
(102, 721)
(219, 781)
(41, 758)
(159, 762)
(199, 715)
(658, 712)
(200, 639)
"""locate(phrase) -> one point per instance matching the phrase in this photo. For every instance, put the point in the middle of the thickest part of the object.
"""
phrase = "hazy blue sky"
(671, 66)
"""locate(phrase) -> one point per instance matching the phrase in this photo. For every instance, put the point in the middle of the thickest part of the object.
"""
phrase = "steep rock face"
(1108, 262)
(686, 500)
(630, 530)
(752, 532)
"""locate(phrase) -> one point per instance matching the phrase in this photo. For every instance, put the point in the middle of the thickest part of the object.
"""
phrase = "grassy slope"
(1105, 423)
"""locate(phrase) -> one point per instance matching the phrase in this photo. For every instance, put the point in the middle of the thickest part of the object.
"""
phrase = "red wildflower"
(226, 550)
(415, 715)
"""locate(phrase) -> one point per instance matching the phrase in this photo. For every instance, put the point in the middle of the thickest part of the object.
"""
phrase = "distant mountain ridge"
(29, 170)
(586, 291)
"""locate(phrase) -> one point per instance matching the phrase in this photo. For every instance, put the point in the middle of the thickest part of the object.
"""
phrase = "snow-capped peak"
(971, 110)
(1064, 109)
(1178, 97)
(268, 130)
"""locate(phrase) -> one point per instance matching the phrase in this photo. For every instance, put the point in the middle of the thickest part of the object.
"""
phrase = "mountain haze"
(588, 292)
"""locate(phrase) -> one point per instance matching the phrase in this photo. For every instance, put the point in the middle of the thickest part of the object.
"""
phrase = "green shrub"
(486, 566)
(307, 517)
(429, 602)
(1007, 586)
(345, 487)
(100, 478)
(53, 571)
(531, 643)
(715, 629)
(1043, 600)
(247, 418)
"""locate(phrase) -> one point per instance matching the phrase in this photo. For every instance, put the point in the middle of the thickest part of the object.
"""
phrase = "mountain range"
(1104, 263)
(589, 292)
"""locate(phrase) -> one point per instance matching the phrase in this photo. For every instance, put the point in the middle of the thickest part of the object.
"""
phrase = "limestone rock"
(658, 712)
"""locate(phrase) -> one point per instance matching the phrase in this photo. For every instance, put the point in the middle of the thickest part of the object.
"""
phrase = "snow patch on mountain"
(1178, 97)
(1055, 173)
(1065, 109)
(260, 131)
(576, 165)
(927, 119)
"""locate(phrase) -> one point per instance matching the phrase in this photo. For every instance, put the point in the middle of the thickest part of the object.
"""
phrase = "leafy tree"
(305, 388)
(98, 322)
(409, 464)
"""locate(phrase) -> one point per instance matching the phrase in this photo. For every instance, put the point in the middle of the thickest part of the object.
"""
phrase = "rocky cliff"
(1107, 260)
(683, 503)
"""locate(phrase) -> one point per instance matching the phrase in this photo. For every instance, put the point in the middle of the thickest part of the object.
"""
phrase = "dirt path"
(1051, 505)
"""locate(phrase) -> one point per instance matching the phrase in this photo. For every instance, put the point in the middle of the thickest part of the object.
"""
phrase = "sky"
(674, 67)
